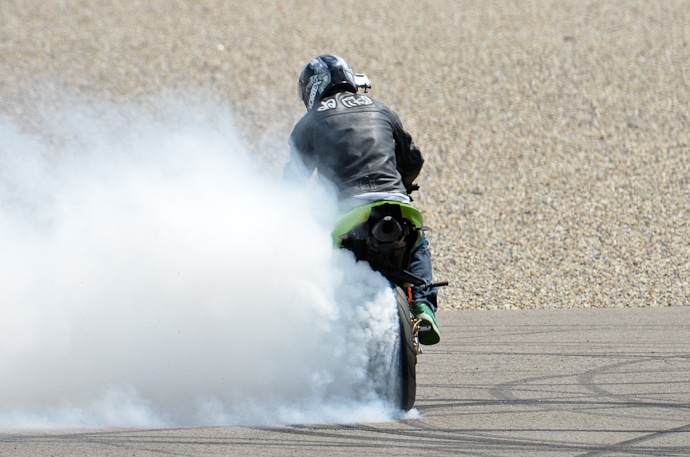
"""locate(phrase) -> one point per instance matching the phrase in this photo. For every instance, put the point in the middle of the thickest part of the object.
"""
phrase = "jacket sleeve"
(408, 156)
(299, 167)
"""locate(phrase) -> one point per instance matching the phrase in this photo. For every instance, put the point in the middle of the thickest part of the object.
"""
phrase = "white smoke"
(152, 275)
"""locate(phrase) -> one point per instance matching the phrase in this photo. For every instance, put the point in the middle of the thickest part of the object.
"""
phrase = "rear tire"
(408, 354)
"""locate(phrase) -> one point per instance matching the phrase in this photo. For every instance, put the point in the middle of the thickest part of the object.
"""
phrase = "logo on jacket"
(328, 104)
(353, 101)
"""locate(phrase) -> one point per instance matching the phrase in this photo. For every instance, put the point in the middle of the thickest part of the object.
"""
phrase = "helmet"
(323, 76)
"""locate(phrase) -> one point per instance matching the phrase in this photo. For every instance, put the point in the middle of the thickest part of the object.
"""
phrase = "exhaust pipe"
(387, 230)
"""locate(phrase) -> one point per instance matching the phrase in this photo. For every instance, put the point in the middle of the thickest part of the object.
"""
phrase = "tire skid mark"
(627, 445)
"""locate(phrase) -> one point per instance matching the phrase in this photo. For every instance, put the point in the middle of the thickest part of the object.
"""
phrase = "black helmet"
(323, 76)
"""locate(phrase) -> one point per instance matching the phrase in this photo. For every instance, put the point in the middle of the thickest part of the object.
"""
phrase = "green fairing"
(361, 214)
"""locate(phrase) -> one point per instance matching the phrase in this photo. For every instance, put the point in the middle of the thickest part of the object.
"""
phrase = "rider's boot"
(428, 333)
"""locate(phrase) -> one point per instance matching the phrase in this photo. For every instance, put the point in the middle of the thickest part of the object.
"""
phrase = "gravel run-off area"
(556, 133)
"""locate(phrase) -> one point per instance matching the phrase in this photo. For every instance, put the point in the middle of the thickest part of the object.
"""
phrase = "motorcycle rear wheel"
(408, 353)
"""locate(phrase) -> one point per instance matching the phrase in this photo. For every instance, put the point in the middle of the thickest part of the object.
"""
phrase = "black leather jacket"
(356, 143)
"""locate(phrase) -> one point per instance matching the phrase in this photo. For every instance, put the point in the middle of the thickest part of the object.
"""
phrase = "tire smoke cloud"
(151, 275)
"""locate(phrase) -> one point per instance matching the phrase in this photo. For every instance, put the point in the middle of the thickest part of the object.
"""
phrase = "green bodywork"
(361, 214)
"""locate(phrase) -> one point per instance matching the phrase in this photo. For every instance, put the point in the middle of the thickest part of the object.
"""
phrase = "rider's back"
(355, 142)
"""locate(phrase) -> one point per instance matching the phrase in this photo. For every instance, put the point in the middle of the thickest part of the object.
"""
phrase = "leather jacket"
(358, 144)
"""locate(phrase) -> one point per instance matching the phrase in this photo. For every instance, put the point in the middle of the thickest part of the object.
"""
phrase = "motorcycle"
(384, 234)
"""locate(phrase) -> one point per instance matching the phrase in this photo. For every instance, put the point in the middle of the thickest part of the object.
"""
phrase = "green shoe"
(428, 328)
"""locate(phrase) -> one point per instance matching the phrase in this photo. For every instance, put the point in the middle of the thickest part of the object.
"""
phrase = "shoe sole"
(428, 335)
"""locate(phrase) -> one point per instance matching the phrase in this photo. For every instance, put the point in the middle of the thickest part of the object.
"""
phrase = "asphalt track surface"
(568, 382)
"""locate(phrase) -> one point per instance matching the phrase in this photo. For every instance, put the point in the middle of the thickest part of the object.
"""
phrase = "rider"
(359, 145)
